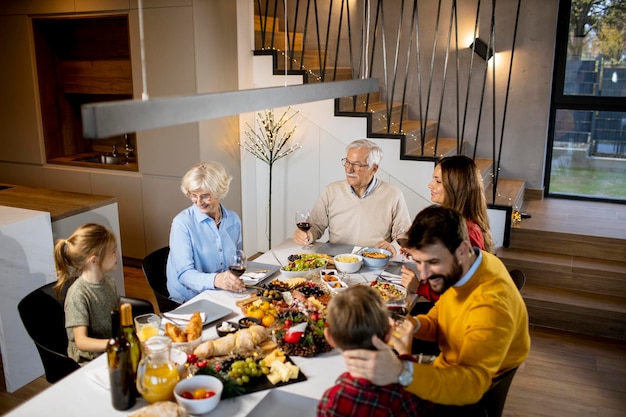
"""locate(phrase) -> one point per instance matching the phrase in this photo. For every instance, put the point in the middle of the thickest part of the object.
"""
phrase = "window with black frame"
(587, 136)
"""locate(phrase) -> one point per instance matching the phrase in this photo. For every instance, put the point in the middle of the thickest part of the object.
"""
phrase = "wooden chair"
(153, 267)
(43, 316)
(519, 278)
(490, 405)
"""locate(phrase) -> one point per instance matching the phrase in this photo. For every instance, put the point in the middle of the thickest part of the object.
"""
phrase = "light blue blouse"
(199, 250)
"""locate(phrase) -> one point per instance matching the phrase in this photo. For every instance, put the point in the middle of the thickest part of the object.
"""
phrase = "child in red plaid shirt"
(354, 316)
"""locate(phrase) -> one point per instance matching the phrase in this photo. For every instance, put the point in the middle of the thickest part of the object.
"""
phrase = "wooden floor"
(565, 374)
(576, 217)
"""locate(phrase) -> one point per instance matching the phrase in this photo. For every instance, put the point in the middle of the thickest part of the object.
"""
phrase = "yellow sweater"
(482, 331)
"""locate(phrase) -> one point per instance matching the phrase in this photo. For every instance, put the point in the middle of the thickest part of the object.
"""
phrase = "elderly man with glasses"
(362, 210)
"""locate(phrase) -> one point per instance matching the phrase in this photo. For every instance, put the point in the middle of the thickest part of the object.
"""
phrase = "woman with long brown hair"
(456, 184)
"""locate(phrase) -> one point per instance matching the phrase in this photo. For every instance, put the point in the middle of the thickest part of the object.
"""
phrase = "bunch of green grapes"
(241, 371)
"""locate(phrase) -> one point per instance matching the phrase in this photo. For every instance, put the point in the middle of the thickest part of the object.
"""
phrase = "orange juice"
(146, 332)
(158, 382)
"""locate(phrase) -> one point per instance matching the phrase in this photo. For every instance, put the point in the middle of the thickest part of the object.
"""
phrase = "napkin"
(100, 376)
(396, 279)
(182, 317)
(252, 278)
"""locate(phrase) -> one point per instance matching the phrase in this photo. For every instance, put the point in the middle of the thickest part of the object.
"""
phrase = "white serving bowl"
(188, 347)
(348, 263)
(375, 263)
(180, 361)
(304, 274)
(203, 405)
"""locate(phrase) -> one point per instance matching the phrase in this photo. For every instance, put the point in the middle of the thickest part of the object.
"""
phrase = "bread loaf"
(161, 409)
(244, 339)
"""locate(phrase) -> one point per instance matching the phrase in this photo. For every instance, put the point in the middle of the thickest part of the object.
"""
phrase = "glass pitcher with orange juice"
(157, 374)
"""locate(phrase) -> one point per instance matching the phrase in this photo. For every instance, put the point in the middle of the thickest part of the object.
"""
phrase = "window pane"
(595, 49)
(589, 154)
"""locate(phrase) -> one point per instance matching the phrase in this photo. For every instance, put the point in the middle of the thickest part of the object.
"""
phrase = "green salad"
(305, 262)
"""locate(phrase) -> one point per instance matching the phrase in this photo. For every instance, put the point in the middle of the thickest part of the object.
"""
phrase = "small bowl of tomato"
(198, 394)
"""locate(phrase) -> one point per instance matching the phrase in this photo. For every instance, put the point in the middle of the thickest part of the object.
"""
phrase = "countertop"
(60, 204)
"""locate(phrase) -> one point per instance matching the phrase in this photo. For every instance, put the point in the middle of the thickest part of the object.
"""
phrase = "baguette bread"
(244, 339)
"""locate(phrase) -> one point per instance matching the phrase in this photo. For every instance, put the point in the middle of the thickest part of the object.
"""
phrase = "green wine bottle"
(128, 328)
(121, 375)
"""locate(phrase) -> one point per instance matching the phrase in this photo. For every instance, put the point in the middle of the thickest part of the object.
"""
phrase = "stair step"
(597, 315)
(445, 147)
(522, 237)
(588, 275)
(485, 166)
(510, 192)
(278, 42)
(360, 105)
(340, 73)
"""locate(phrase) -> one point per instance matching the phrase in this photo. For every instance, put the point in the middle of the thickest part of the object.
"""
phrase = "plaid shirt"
(359, 397)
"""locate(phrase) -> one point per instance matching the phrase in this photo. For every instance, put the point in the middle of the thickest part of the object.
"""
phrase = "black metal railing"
(414, 48)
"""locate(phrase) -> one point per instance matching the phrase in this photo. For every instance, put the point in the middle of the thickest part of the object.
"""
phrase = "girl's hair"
(72, 254)
(207, 176)
(465, 193)
(355, 315)
(375, 154)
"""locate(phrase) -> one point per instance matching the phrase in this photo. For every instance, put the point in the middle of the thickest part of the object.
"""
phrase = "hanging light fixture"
(102, 120)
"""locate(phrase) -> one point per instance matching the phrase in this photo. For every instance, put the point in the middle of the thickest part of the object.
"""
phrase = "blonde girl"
(83, 261)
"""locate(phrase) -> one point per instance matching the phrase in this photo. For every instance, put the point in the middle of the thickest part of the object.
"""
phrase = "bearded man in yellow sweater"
(480, 321)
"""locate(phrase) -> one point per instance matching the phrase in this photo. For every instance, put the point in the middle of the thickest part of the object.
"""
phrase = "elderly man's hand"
(300, 237)
(381, 367)
(387, 246)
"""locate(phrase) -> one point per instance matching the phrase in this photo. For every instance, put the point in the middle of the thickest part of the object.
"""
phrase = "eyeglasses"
(205, 198)
(355, 165)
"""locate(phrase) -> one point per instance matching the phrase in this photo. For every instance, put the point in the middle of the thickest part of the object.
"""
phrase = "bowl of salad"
(301, 265)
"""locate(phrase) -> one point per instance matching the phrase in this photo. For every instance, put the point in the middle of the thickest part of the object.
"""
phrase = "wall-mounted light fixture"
(481, 49)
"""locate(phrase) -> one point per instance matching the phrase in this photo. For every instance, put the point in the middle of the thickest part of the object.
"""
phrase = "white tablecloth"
(79, 395)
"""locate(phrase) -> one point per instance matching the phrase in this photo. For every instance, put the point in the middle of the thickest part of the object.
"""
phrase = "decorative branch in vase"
(269, 144)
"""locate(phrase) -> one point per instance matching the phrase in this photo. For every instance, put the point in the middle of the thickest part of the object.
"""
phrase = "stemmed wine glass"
(303, 221)
(237, 266)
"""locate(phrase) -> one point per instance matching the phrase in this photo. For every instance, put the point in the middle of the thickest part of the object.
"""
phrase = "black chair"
(43, 316)
(153, 266)
(519, 278)
(490, 405)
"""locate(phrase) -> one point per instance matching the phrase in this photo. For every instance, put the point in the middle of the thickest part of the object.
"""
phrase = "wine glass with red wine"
(237, 266)
(303, 221)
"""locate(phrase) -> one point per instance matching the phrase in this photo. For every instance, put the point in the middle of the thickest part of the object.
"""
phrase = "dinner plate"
(257, 272)
(212, 311)
(334, 249)
(285, 404)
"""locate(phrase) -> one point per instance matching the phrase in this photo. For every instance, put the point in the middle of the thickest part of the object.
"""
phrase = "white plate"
(304, 274)
(211, 310)
(285, 404)
(257, 272)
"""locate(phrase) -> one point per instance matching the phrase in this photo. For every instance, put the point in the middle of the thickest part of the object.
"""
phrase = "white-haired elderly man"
(361, 210)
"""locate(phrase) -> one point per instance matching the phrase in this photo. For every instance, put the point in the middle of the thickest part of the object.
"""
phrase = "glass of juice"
(147, 325)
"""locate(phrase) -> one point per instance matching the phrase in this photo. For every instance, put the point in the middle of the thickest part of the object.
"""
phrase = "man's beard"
(449, 279)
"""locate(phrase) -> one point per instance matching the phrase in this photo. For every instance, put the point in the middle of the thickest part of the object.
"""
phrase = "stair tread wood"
(573, 297)
(573, 261)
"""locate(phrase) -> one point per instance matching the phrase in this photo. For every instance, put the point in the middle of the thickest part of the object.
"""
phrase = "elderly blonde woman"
(203, 236)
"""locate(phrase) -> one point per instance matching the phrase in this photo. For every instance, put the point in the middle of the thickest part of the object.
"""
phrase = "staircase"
(575, 277)
(564, 290)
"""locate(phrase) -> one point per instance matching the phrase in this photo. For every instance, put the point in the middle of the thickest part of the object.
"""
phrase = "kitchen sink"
(103, 159)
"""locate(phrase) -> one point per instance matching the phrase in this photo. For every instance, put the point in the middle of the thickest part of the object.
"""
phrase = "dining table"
(80, 394)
